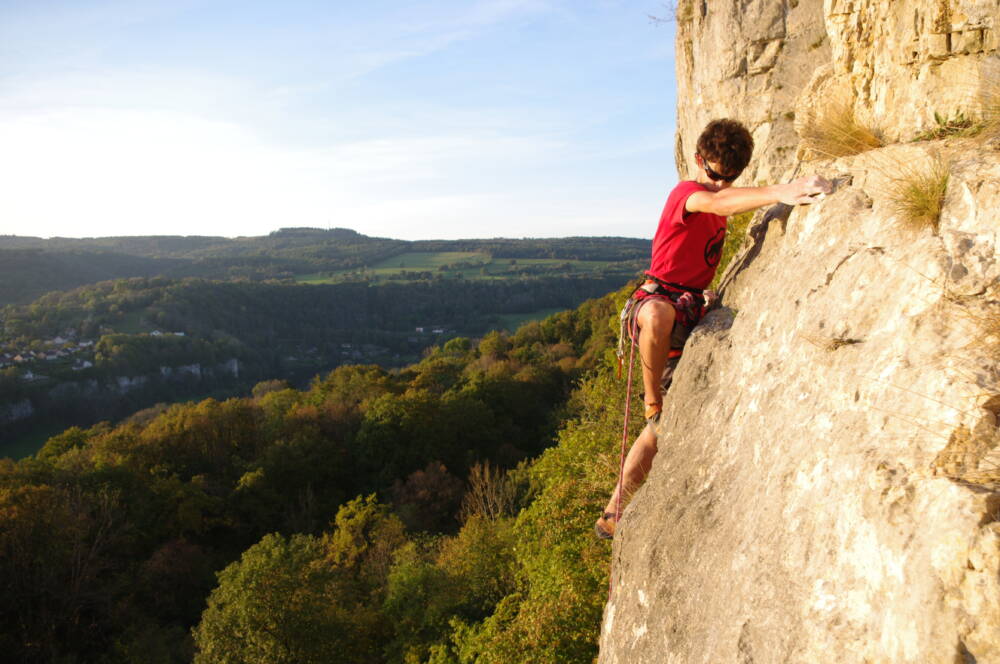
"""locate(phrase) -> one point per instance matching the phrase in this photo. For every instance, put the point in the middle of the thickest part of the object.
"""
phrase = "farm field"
(465, 265)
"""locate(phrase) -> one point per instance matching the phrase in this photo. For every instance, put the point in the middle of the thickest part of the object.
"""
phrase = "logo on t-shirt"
(713, 249)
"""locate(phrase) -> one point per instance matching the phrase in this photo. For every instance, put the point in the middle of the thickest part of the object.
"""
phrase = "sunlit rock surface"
(748, 60)
(826, 488)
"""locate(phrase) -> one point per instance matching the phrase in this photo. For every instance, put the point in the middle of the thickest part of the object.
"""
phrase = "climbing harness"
(689, 303)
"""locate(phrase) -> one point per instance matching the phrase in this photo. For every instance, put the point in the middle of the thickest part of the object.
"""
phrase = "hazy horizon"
(265, 234)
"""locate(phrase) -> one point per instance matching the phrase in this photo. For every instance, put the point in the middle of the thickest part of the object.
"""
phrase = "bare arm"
(734, 200)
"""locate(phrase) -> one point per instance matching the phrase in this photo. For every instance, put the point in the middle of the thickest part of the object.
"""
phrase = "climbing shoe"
(605, 526)
(653, 412)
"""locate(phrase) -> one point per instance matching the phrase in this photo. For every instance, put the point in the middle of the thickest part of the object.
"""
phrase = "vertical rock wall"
(748, 60)
(905, 60)
(898, 63)
(828, 482)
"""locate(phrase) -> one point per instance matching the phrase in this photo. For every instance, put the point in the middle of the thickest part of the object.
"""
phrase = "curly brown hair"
(727, 142)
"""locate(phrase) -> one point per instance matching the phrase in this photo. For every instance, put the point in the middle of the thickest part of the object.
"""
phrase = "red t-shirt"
(687, 245)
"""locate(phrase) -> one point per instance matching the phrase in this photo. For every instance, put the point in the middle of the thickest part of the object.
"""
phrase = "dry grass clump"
(836, 131)
(916, 191)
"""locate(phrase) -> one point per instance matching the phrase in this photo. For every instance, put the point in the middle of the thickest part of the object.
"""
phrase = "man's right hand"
(806, 190)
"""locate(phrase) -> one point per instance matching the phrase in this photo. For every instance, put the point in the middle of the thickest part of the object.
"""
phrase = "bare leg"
(656, 322)
(637, 464)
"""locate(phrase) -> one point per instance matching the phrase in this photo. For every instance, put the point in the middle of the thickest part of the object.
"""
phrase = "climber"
(686, 251)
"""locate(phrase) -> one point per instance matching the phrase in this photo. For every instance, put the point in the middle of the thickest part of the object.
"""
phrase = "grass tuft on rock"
(916, 192)
(836, 131)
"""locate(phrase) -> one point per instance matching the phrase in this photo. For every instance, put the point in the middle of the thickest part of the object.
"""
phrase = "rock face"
(826, 485)
(828, 482)
(897, 63)
(903, 61)
(748, 60)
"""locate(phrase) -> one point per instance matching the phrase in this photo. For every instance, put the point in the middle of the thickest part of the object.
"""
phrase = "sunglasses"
(715, 177)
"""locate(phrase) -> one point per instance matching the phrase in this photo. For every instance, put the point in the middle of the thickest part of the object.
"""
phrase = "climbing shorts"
(689, 307)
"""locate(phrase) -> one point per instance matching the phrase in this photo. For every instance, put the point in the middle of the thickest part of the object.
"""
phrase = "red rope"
(628, 408)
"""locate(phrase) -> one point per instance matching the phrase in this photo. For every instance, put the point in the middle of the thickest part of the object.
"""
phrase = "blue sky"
(432, 119)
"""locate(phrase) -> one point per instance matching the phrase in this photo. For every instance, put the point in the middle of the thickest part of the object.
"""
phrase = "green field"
(465, 265)
(416, 261)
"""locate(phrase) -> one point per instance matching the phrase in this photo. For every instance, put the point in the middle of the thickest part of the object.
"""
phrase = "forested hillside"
(103, 351)
(437, 514)
(384, 516)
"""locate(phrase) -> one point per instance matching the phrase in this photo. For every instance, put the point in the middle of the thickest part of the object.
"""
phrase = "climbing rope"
(628, 407)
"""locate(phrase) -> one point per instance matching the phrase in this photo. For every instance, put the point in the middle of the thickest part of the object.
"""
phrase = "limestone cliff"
(828, 483)
(748, 59)
(897, 62)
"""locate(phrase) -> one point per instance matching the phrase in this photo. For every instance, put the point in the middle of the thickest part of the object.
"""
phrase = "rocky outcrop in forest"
(828, 482)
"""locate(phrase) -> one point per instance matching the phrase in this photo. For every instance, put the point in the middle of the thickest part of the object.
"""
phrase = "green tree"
(420, 599)
(551, 613)
(306, 599)
(277, 605)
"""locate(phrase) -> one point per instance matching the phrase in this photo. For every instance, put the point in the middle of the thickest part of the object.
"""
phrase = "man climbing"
(686, 252)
